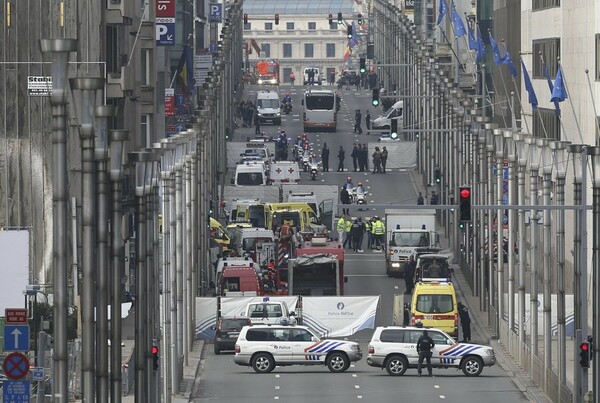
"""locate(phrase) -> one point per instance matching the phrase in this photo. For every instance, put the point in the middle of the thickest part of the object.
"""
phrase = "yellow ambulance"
(434, 304)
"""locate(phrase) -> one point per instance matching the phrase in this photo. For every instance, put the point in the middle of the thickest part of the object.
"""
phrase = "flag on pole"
(532, 97)
(347, 53)
(185, 70)
(471, 36)
(498, 59)
(459, 26)
(480, 46)
(551, 86)
(559, 92)
(511, 66)
(442, 10)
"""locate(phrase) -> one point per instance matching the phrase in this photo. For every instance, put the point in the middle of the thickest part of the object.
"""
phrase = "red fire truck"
(267, 72)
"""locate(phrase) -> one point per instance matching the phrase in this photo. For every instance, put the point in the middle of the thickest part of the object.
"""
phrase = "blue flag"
(185, 71)
(559, 92)
(532, 98)
(480, 47)
(459, 26)
(471, 35)
(547, 74)
(498, 59)
(511, 66)
(442, 10)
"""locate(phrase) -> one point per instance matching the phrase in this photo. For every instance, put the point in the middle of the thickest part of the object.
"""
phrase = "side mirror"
(233, 181)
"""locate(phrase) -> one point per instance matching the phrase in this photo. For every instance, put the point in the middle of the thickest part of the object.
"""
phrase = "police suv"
(266, 346)
(395, 349)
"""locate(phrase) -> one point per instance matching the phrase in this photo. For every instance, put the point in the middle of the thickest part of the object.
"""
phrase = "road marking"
(442, 397)
(359, 397)
(354, 375)
(396, 287)
(277, 376)
(276, 387)
(436, 386)
(276, 398)
(356, 387)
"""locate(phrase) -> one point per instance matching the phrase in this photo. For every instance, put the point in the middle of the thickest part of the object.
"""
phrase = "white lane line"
(436, 386)
(359, 397)
(356, 386)
(442, 397)
(354, 375)
(276, 398)
(277, 376)
(276, 387)
(396, 287)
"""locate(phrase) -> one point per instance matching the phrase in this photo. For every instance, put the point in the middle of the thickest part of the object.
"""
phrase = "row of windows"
(290, 26)
(309, 50)
(542, 4)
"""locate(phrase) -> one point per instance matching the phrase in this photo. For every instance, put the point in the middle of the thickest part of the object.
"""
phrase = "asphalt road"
(222, 380)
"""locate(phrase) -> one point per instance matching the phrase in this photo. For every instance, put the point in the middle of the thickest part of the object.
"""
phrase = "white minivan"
(268, 107)
(384, 121)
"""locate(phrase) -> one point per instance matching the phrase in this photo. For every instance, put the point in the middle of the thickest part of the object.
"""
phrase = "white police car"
(395, 349)
(266, 346)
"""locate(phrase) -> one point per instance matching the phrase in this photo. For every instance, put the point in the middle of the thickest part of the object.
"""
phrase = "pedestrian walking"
(368, 120)
(369, 230)
(256, 123)
(361, 162)
(409, 274)
(384, 157)
(325, 157)
(434, 200)
(357, 120)
(356, 235)
(348, 230)
(340, 227)
(345, 199)
(355, 155)
(361, 234)
(377, 161)
(332, 78)
(292, 78)
(378, 229)
(365, 151)
(424, 346)
(465, 321)
(341, 156)
(420, 199)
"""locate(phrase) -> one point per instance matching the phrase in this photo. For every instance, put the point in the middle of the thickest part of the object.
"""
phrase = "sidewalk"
(479, 324)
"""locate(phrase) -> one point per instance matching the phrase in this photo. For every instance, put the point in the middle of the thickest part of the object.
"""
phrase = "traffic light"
(370, 50)
(437, 176)
(375, 100)
(330, 19)
(584, 354)
(394, 129)
(359, 20)
(155, 357)
(464, 204)
(350, 32)
(245, 18)
(363, 65)
(340, 19)
(276, 19)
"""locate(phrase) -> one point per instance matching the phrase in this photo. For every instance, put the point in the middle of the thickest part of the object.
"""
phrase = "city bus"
(320, 110)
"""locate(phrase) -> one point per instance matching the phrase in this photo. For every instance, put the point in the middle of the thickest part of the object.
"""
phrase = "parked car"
(227, 331)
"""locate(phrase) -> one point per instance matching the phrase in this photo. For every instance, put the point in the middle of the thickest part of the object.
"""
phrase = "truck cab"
(239, 281)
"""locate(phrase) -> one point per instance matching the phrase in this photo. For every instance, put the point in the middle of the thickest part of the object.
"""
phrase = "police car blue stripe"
(326, 347)
(457, 350)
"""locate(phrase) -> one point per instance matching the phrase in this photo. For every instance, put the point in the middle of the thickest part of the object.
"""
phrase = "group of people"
(360, 158)
(351, 232)
(358, 121)
(434, 199)
(245, 110)
(380, 160)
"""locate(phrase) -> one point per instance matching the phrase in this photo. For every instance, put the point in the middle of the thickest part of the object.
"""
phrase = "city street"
(222, 380)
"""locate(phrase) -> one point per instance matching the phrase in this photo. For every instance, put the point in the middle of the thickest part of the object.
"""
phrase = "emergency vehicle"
(284, 172)
(250, 174)
(434, 304)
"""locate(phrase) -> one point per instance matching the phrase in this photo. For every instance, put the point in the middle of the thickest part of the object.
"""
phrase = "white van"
(317, 77)
(268, 107)
(383, 122)
(284, 172)
(250, 174)
(308, 198)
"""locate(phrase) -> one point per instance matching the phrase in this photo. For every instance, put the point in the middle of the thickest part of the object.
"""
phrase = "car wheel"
(217, 350)
(472, 366)
(338, 362)
(396, 365)
(263, 363)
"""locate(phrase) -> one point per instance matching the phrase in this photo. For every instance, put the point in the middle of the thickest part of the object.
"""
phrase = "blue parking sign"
(216, 12)
(165, 31)
(16, 391)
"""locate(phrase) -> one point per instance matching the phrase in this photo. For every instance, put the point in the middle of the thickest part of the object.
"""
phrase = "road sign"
(15, 315)
(165, 31)
(38, 373)
(165, 8)
(216, 12)
(16, 392)
(16, 365)
(16, 337)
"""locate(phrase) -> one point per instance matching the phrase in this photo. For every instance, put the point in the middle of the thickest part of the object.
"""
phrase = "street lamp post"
(117, 140)
(88, 87)
(489, 146)
(579, 156)
(512, 157)
(499, 150)
(59, 50)
(594, 152)
(534, 166)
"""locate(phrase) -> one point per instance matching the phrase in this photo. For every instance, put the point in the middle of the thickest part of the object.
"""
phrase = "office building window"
(312, 26)
(597, 57)
(146, 67)
(542, 4)
(268, 26)
(330, 49)
(146, 129)
(550, 50)
(309, 50)
(287, 50)
(248, 26)
(551, 124)
(289, 26)
(334, 25)
(265, 49)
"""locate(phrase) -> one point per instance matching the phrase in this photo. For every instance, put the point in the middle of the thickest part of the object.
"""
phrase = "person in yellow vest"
(347, 229)
(378, 229)
(368, 228)
(341, 228)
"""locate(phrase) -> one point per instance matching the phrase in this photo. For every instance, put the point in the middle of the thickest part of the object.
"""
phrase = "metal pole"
(42, 339)
(499, 148)
(179, 253)
(59, 50)
(521, 319)
(533, 252)
(174, 350)
(594, 152)
(511, 153)
(117, 138)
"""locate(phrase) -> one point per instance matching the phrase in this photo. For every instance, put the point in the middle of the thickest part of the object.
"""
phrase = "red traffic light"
(584, 346)
(154, 350)
(465, 193)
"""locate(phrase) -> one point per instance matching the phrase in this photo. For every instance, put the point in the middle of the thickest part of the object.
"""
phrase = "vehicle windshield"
(256, 215)
(320, 101)
(250, 179)
(436, 303)
(265, 311)
(267, 103)
(411, 238)
(228, 325)
(253, 151)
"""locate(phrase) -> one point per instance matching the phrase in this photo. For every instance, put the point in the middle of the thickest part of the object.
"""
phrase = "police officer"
(341, 227)
(368, 229)
(378, 229)
(420, 199)
(409, 274)
(356, 234)
(465, 321)
(348, 229)
(424, 346)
